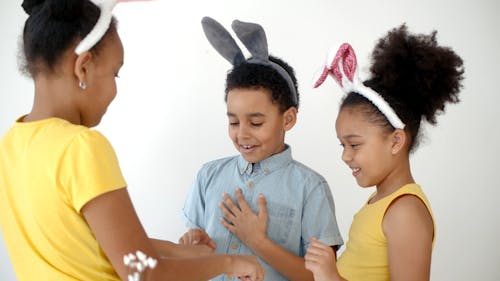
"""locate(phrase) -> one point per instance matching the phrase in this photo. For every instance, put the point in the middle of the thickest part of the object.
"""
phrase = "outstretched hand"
(248, 226)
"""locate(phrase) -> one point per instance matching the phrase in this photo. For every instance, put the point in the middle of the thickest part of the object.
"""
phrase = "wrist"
(229, 261)
(258, 242)
(336, 275)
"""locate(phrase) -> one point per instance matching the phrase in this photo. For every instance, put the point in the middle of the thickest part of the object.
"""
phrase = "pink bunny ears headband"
(341, 64)
(101, 26)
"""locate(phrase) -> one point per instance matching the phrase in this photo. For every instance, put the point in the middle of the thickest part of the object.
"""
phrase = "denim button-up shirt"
(299, 203)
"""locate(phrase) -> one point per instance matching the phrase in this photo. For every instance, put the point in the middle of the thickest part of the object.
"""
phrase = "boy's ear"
(82, 65)
(290, 118)
(399, 139)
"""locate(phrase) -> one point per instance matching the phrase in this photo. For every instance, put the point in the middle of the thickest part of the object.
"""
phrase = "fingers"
(319, 251)
(184, 240)
(315, 243)
(242, 206)
(211, 244)
(231, 210)
(315, 248)
(256, 276)
(311, 265)
(195, 236)
(313, 256)
(241, 200)
(205, 239)
(228, 225)
(229, 205)
(226, 212)
(246, 267)
(261, 202)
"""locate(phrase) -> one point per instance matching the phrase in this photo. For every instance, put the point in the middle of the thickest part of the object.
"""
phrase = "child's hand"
(196, 236)
(320, 260)
(242, 221)
(199, 250)
(246, 268)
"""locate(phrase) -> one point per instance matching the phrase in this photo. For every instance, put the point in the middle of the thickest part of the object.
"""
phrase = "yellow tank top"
(365, 257)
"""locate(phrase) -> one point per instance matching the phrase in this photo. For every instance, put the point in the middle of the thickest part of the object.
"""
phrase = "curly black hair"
(415, 76)
(51, 28)
(251, 75)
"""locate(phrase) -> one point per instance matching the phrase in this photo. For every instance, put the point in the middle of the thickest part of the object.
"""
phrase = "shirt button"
(251, 184)
(234, 246)
(266, 171)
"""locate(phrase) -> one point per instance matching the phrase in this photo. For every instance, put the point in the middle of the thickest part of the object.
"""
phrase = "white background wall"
(169, 115)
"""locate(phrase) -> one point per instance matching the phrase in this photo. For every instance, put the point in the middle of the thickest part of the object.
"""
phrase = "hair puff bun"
(414, 71)
(29, 5)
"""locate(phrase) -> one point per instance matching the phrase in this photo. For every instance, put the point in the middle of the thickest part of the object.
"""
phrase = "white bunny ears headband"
(253, 37)
(341, 64)
(101, 26)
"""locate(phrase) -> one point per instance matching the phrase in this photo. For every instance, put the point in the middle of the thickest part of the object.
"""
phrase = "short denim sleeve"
(319, 205)
(194, 206)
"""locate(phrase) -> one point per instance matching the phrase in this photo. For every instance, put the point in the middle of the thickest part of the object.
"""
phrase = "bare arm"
(288, 264)
(409, 229)
(115, 224)
(170, 249)
(251, 230)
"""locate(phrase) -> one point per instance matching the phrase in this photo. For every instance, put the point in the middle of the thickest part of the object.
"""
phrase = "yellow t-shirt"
(49, 170)
(365, 257)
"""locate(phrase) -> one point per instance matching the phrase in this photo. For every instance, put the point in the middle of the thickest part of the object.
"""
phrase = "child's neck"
(53, 99)
(398, 178)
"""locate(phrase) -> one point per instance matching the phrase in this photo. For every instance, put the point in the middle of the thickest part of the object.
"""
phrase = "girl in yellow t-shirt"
(65, 212)
(391, 237)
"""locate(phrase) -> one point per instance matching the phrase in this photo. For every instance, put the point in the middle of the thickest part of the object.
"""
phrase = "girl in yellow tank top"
(392, 236)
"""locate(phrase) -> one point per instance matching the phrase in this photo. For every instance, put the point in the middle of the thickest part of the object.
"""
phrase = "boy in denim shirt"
(261, 202)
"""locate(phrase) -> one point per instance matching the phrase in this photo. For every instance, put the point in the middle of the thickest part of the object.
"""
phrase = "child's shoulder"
(309, 179)
(304, 170)
(58, 132)
(220, 163)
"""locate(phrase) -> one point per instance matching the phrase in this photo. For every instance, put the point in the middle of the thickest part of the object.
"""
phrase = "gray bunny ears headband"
(253, 37)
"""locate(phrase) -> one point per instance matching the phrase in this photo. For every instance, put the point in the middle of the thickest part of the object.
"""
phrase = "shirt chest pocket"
(280, 222)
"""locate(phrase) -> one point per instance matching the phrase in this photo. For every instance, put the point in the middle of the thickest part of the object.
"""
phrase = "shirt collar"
(268, 165)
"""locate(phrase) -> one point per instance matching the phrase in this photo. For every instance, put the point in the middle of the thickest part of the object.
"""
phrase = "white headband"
(342, 66)
(101, 26)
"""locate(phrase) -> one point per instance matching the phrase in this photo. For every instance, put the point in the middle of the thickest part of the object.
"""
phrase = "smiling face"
(367, 148)
(256, 125)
